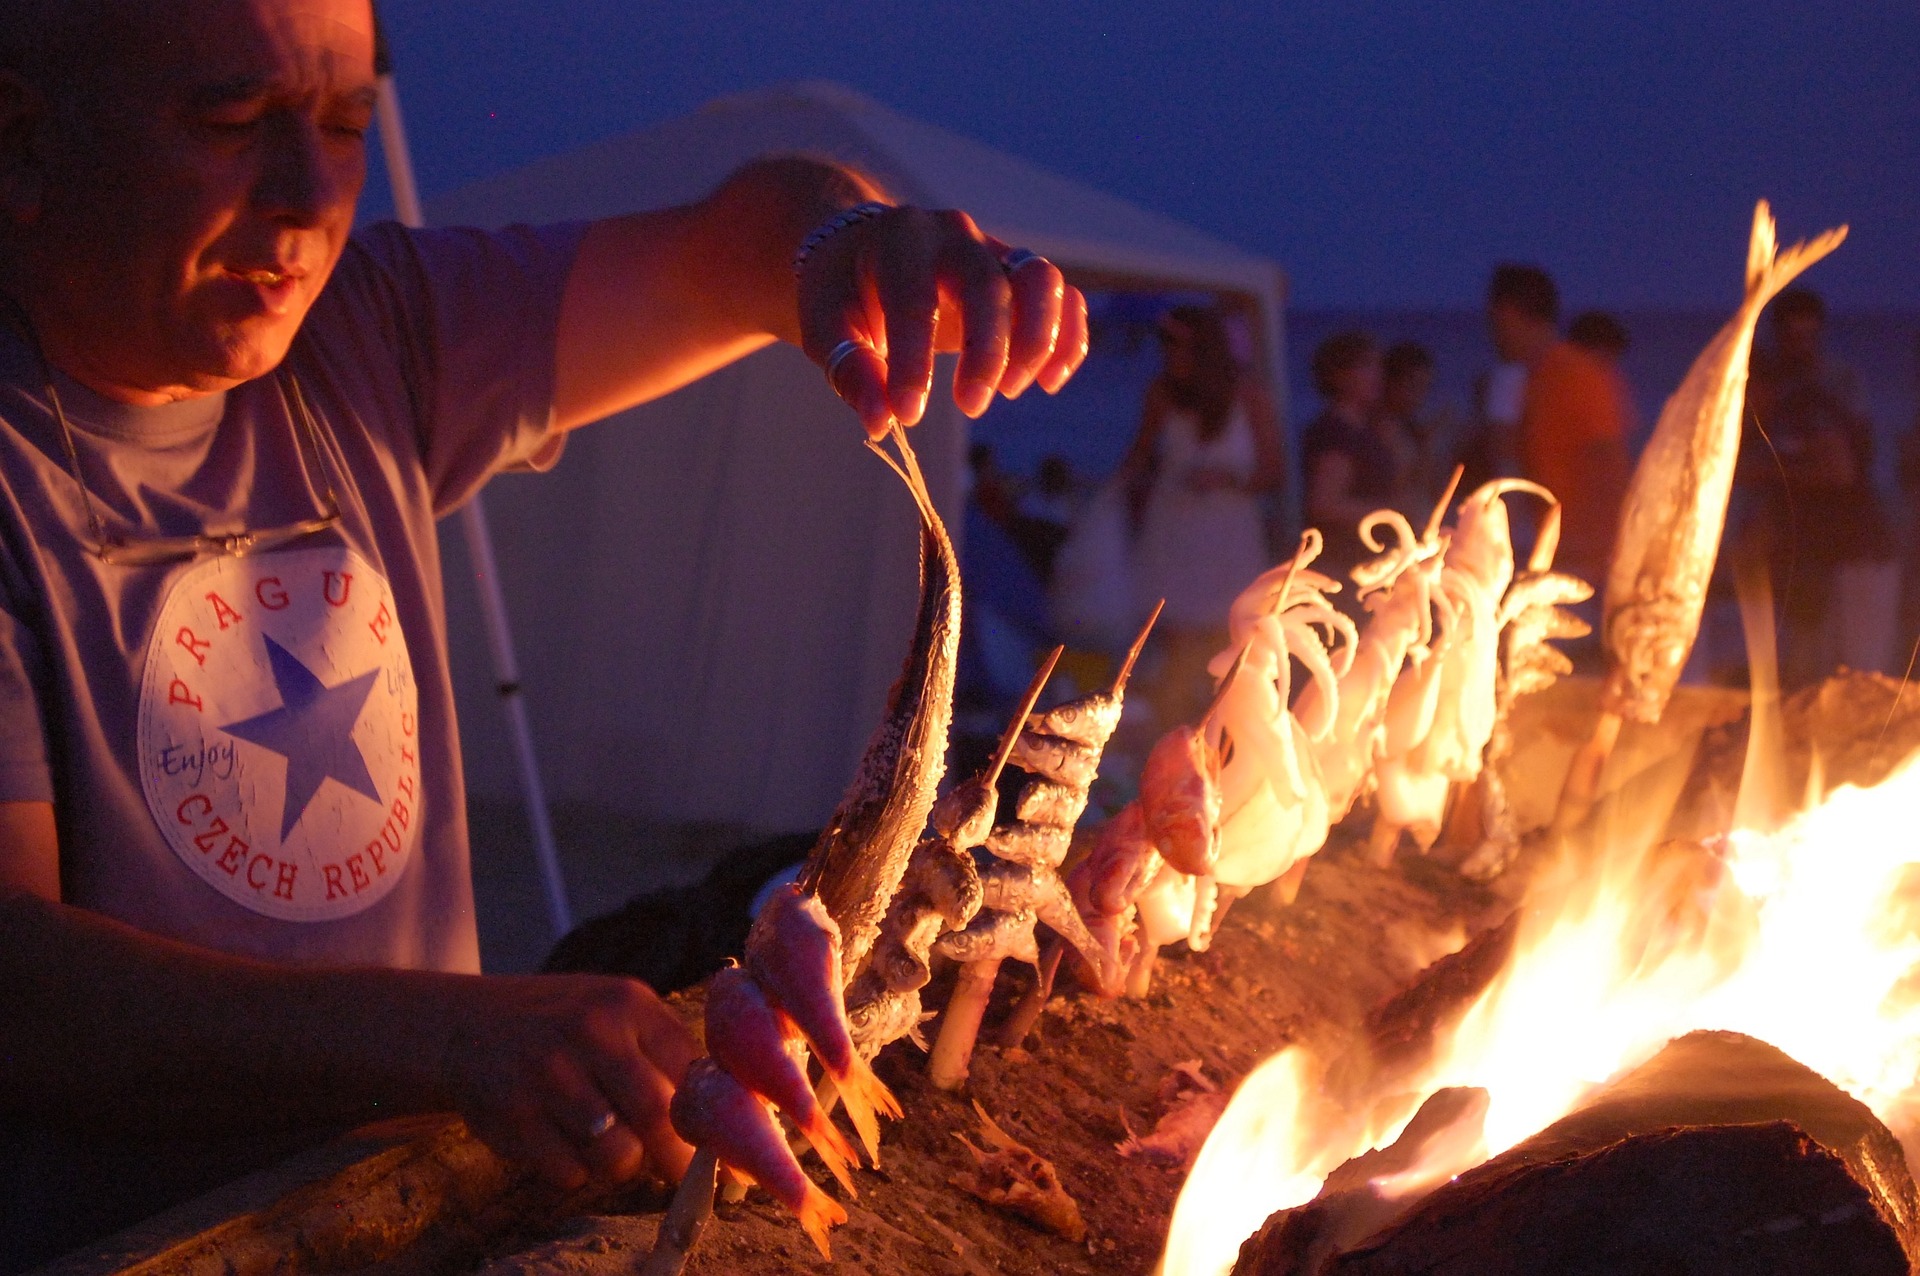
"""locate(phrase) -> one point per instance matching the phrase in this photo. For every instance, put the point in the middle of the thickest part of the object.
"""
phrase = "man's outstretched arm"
(108, 1029)
(656, 300)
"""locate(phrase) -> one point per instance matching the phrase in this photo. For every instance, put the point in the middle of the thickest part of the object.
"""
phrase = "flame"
(1806, 935)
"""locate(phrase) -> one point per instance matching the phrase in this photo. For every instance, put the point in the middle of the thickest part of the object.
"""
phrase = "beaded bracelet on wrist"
(834, 225)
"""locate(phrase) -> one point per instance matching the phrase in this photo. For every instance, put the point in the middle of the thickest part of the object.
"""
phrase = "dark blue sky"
(1386, 153)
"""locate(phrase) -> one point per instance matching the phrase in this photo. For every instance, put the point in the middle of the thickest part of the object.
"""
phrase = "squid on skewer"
(1397, 591)
(1532, 617)
(1453, 697)
(1275, 803)
(1225, 805)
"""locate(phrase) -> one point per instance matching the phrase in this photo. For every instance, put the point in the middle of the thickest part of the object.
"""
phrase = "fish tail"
(865, 1095)
(819, 1214)
(1762, 247)
(1768, 269)
(835, 1152)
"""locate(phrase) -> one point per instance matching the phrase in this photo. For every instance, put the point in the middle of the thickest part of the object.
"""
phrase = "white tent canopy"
(712, 596)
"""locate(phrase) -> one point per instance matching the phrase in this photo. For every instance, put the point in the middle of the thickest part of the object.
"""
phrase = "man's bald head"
(177, 179)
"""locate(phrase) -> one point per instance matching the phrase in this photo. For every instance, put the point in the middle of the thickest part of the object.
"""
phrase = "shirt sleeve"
(25, 774)
(472, 316)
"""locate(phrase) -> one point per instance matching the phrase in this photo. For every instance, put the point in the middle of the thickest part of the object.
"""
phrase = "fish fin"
(1768, 269)
(819, 1214)
(1761, 246)
(835, 1152)
(865, 1095)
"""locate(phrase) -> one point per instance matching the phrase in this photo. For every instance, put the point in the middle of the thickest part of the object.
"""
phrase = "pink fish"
(793, 954)
(756, 1045)
(1180, 798)
(712, 1110)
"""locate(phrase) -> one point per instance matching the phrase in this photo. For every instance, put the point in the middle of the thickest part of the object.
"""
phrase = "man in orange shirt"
(1573, 426)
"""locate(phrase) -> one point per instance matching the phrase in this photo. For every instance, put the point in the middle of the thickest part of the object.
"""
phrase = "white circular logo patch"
(278, 732)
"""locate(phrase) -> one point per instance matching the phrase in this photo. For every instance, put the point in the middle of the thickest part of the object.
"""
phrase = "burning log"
(1720, 1154)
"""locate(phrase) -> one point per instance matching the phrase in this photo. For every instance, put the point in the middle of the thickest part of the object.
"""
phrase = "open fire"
(1797, 930)
(1803, 936)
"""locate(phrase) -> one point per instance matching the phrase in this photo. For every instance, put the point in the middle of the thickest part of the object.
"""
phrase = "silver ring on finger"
(838, 355)
(1017, 258)
(602, 1125)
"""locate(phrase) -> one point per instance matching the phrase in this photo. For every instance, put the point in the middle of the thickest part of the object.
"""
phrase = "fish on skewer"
(793, 954)
(857, 864)
(941, 893)
(716, 1113)
(1673, 517)
(1105, 886)
(813, 938)
(1020, 866)
(755, 1043)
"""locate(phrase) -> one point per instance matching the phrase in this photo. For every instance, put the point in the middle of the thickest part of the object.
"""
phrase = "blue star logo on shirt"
(312, 730)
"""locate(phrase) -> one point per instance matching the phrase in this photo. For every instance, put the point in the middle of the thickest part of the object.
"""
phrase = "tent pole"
(473, 522)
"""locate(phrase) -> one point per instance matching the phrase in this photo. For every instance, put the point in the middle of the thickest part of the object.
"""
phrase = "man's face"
(200, 191)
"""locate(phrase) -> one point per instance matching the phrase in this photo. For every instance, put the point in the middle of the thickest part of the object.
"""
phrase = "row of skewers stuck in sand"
(835, 965)
(1407, 710)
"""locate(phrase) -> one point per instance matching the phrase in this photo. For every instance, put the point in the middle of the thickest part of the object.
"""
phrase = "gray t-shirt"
(258, 754)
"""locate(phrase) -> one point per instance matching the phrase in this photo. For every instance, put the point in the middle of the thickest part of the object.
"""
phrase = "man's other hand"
(569, 1074)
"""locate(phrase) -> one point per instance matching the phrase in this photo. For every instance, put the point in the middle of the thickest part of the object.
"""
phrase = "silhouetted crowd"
(1191, 515)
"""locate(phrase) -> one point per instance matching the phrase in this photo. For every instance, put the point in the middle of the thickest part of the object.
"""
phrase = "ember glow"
(1806, 936)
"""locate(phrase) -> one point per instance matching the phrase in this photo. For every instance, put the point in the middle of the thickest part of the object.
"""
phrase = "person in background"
(1819, 521)
(1600, 333)
(991, 488)
(1055, 494)
(1573, 419)
(1485, 449)
(1413, 436)
(1208, 448)
(1347, 455)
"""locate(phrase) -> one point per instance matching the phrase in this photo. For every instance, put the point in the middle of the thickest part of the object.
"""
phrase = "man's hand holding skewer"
(881, 295)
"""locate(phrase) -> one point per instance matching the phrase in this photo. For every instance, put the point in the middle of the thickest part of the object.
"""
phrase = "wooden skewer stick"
(1011, 736)
(686, 1217)
(1027, 1012)
(1133, 652)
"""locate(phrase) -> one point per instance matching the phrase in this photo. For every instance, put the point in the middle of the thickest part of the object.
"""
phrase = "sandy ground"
(1089, 1073)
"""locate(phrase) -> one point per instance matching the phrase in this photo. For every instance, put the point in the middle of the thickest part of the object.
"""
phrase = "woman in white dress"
(1208, 447)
